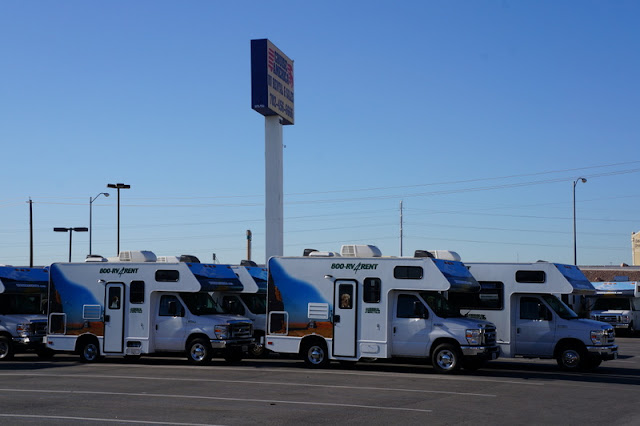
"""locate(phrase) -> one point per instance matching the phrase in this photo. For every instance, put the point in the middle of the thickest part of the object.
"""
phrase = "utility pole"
(30, 232)
(400, 228)
(248, 244)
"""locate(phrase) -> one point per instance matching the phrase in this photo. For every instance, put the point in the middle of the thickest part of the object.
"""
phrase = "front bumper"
(603, 352)
(243, 344)
(28, 342)
(485, 352)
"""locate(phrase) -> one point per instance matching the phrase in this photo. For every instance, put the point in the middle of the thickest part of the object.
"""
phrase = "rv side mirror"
(173, 308)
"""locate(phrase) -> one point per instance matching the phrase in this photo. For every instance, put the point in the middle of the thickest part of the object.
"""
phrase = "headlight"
(23, 330)
(474, 337)
(598, 337)
(221, 331)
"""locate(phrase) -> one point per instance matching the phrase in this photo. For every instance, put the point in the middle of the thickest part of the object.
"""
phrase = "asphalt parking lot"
(165, 391)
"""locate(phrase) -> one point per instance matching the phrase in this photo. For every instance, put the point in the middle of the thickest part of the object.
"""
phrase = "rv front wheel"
(89, 352)
(446, 358)
(315, 354)
(199, 351)
(6, 348)
(571, 358)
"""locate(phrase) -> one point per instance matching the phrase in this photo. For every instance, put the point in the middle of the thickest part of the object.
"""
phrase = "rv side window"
(490, 297)
(114, 298)
(408, 272)
(534, 277)
(409, 306)
(532, 308)
(345, 292)
(371, 292)
(167, 276)
(170, 306)
(136, 292)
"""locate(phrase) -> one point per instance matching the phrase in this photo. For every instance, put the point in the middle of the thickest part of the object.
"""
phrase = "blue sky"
(478, 115)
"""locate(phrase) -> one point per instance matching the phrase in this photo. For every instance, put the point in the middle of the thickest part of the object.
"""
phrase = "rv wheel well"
(309, 340)
(563, 343)
(196, 336)
(441, 340)
(5, 334)
(82, 340)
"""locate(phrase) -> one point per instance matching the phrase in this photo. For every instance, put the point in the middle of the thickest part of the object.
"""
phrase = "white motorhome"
(352, 308)
(132, 309)
(23, 322)
(616, 303)
(249, 301)
(520, 299)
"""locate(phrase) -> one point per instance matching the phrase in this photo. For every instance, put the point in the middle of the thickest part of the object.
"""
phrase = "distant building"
(635, 248)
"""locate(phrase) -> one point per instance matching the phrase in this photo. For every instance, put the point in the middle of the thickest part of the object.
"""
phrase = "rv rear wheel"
(6, 349)
(446, 358)
(571, 358)
(233, 355)
(89, 351)
(314, 353)
(199, 351)
(45, 353)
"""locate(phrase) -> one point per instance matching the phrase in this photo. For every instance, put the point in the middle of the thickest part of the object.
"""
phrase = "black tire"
(446, 358)
(571, 358)
(6, 349)
(233, 356)
(631, 330)
(45, 353)
(314, 353)
(258, 351)
(199, 352)
(89, 351)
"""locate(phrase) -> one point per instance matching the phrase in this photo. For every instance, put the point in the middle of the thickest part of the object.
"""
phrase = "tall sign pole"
(272, 96)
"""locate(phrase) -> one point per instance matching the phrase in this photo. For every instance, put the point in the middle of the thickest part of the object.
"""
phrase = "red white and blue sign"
(271, 81)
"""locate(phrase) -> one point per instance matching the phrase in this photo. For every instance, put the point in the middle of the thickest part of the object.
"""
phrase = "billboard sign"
(271, 81)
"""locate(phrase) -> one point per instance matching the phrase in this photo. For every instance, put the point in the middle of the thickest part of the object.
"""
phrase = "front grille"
(489, 335)
(607, 318)
(610, 335)
(39, 328)
(241, 331)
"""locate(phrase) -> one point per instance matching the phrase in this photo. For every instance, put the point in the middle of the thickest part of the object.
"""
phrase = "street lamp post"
(575, 250)
(91, 200)
(118, 186)
(70, 231)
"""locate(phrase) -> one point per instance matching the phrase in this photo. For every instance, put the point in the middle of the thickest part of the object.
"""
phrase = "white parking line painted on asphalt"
(248, 382)
(216, 398)
(98, 419)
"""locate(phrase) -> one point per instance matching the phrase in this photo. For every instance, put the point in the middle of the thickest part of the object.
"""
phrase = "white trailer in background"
(23, 321)
(330, 307)
(616, 303)
(131, 309)
(520, 299)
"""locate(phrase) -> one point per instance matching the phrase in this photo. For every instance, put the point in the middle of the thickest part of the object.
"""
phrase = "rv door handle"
(336, 319)
(107, 318)
(518, 330)
(394, 330)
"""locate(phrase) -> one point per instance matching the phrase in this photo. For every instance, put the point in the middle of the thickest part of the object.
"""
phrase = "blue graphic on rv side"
(457, 274)
(293, 295)
(260, 276)
(18, 280)
(66, 296)
(214, 277)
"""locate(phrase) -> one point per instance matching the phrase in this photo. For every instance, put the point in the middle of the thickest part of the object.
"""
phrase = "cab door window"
(409, 306)
(532, 308)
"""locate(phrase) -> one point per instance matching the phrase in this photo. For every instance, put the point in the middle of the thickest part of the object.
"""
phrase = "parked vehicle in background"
(130, 309)
(326, 306)
(23, 322)
(519, 298)
(616, 303)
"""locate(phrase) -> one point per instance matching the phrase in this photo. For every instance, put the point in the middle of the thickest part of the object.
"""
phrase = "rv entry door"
(344, 318)
(113, 317)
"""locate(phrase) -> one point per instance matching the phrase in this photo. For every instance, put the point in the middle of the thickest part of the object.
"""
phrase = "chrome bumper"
(604, 352)
(487, 352)
(226, 344)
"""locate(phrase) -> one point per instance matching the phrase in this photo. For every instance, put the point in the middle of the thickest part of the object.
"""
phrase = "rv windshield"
(257, 303)
(22, 304)
(559, 307)
(201, 304)
(439, 305)
(611, 304)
